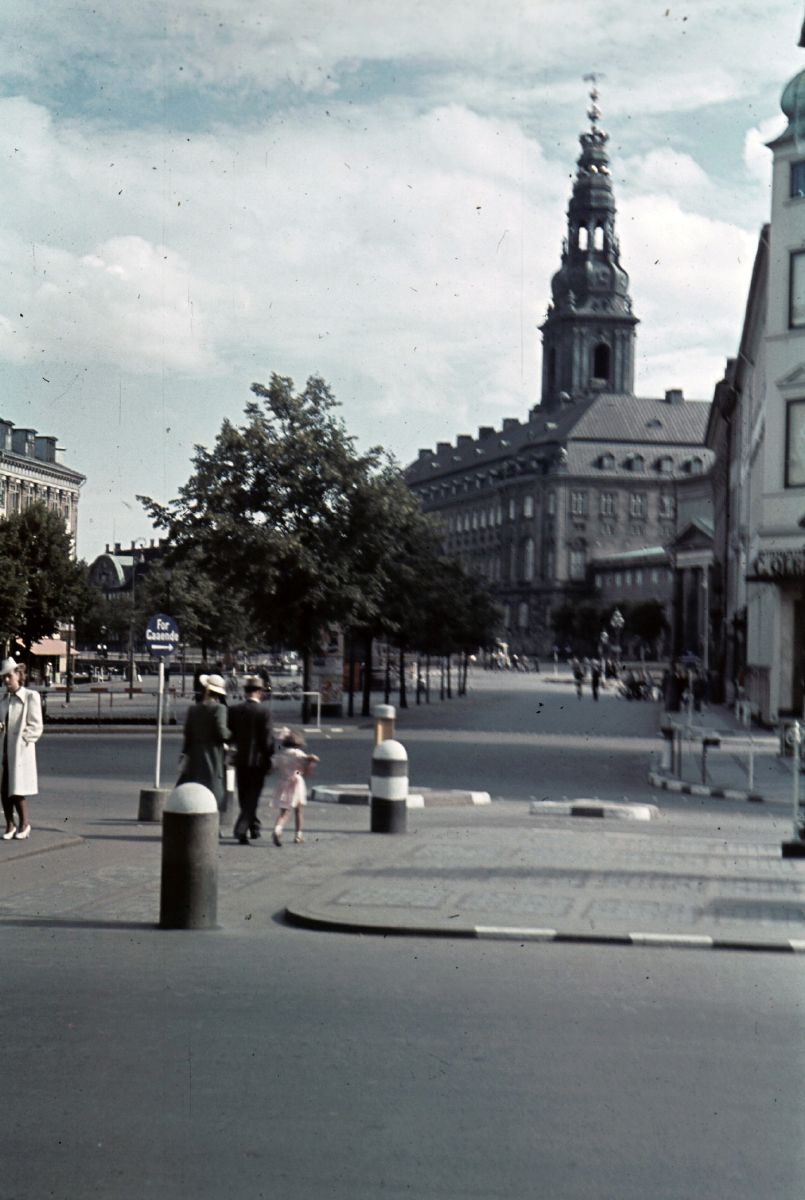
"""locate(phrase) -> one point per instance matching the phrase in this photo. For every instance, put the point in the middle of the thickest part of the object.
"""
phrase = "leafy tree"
(292, 520)
(36, 549)
(647, 621)
(563, 623)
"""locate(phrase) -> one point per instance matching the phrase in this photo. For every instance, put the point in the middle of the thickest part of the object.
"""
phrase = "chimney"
(510, 423)
(423, 455)
(674, 396)
(443, 447)
(463, 441)
(485, 432)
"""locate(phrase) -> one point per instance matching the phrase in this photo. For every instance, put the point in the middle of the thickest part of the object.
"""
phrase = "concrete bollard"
(152, 803)
(384, 715)
(189, 891)
(668, 749)
(389, 788)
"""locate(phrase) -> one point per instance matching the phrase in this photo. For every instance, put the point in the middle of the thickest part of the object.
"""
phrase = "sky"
(198, 194)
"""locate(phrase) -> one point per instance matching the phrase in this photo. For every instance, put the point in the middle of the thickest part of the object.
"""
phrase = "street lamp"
(616, 624)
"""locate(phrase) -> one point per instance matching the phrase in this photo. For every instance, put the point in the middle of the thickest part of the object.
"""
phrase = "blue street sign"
(161, 635)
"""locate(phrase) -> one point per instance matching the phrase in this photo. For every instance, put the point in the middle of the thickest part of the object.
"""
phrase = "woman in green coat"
(205, 736)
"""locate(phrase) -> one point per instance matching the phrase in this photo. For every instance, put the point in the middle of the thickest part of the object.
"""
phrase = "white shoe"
(22, 834)
(9, 834)
(298, 838)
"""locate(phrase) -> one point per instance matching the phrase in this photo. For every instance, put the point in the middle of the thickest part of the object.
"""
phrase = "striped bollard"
(389, 788)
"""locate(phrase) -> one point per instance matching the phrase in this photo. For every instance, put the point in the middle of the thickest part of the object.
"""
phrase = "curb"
(358, 793)
(595, 808)
(669, 784)
(512, 933)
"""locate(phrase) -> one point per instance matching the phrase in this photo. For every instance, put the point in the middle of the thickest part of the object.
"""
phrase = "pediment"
(695, 536)
(793, 381)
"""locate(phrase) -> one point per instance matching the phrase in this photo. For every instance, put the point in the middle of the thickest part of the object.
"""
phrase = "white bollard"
(189, 889)
(389, 788)
(384, 715)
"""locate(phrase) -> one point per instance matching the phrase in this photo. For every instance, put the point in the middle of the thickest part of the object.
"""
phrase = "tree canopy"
(41, 584)
(299, 529)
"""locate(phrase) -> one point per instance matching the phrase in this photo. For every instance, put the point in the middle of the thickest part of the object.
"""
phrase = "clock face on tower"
(601, 276)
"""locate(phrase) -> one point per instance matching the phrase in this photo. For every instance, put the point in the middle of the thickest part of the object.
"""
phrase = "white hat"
(7, 666)
(213, 683)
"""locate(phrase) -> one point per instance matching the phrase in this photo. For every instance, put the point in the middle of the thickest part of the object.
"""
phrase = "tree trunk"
(403, 693)
(418, 679)
(387, 682)
(351, 673)
(366, 706)
(441, 677)
(427, 678)
(449, 679)
(306, 665)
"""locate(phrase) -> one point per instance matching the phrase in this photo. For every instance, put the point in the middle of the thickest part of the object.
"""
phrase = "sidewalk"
(500, 871)
(745, 764)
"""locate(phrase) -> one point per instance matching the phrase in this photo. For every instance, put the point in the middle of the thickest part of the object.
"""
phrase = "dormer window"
(636, 462)
(607, 462)
(695, 466)
(665, 465)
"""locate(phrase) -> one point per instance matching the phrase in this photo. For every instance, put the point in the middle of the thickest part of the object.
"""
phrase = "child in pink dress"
(292, 764)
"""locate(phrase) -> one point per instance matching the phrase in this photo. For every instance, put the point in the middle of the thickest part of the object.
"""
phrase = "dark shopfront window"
(798, 179)
(795, 444)
(796, 296)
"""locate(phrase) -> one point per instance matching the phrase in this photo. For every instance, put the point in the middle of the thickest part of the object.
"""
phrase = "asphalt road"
(264, 1061)
(308, 1065)
(515, 737)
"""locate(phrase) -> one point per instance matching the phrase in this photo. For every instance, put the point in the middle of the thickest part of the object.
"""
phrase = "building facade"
(594, 471)
(32, 471)
(758, 427)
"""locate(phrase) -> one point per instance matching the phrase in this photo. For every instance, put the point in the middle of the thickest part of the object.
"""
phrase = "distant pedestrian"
(21, 728)
(293, 764)
(578, 675)
(250, 726)
(595, 678)
(206, 733)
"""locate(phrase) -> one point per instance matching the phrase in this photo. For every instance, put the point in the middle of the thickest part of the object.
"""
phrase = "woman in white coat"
(20, 728)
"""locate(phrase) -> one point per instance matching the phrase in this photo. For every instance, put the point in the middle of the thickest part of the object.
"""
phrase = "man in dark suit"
(251, 736)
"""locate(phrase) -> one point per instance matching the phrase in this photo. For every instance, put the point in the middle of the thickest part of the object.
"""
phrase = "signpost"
(162, 639)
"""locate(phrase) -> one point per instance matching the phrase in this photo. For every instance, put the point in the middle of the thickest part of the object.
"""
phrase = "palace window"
(607, 504)
(528, 506)
(522, 615)
(578, 504)
(666, 506)
(637, 504)
(512, 510)
(528, 559)
(551, 504)
(578, 564)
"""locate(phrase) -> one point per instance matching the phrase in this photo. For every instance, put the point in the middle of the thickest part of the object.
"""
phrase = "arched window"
(599, 237)
(584, 237)
(601, 361)
(522, 615)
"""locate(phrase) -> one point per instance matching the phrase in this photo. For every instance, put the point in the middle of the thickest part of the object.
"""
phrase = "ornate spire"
(589, 332)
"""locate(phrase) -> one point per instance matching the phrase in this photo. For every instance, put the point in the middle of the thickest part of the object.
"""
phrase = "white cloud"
(373, 190)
